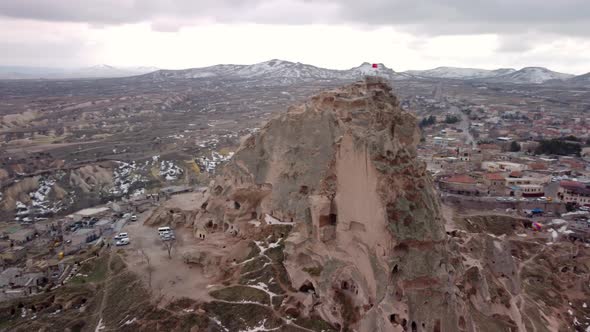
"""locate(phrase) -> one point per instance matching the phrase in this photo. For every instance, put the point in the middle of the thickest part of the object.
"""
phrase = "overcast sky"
(403, 34)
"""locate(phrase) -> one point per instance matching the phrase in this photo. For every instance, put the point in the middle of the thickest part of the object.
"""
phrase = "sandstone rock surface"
(343, 169)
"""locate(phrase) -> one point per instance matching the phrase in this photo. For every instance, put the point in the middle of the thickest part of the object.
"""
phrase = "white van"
(164, 230)
(121, 236)
(122, 242)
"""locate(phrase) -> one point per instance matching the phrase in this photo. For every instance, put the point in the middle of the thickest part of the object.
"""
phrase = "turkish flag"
(375, 65)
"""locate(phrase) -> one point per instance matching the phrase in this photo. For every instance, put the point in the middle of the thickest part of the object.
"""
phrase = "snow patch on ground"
(131, 321)
(218, 322)
(125, 175)
(270, 220)
(40, 204)
(170, 171)
(138, 193)
(264, 287)
(260, 328)
(100, 326)
(209, 164)
(256, 223)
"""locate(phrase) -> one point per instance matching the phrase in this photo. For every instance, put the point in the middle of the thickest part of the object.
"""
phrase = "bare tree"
(146, 258)
(169, 245)
(149, 267)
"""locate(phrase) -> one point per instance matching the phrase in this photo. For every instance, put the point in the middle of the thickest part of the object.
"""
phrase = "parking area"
(147, 256)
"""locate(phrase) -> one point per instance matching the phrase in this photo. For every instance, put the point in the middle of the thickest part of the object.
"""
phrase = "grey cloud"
(520, 43)
(514, 46)
(430, 17)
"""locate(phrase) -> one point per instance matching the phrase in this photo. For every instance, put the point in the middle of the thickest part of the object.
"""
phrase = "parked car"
(121, 236)
(122, 242)
(167, 237)
(133, 217)
(164, 230)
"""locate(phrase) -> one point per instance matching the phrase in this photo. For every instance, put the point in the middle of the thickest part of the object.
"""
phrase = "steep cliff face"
(368, 236)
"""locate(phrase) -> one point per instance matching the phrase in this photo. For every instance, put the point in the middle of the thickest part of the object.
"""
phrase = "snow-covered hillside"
(580, 79)
(381, 70)
(527, 75)
(286, 71)
(460, 73)
(532, 75)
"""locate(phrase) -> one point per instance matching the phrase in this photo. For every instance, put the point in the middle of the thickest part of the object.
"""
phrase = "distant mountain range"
(527, 75)
(98, 71)
(286, 72)
(460, 73)
(581, 79)
(534, 75)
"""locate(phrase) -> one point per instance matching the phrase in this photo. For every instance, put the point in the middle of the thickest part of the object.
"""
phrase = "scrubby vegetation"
(314, 271)
(429, 121)
(450, 119)
(558, 147)
(240, 294)
(514, 146)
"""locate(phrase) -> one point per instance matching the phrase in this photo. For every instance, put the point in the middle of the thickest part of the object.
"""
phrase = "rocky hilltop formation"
(368, 236)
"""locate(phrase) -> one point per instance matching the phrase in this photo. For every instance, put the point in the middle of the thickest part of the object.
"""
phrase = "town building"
(574, 192)
(496, 183)
(12, 255)
(502, 166)
(22, 236)
(527, 190)
(461, 185)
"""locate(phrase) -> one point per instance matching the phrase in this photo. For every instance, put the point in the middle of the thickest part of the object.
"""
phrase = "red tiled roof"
(577, 187)
(461, 179)
(515, 174)
(538, 166)
(494, 176)
(573, 164)
(571, 184)
(489, 147)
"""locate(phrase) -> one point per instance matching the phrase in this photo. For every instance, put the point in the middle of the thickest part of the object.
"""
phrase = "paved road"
(119, 224)
(490, 203)
(464, 125)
